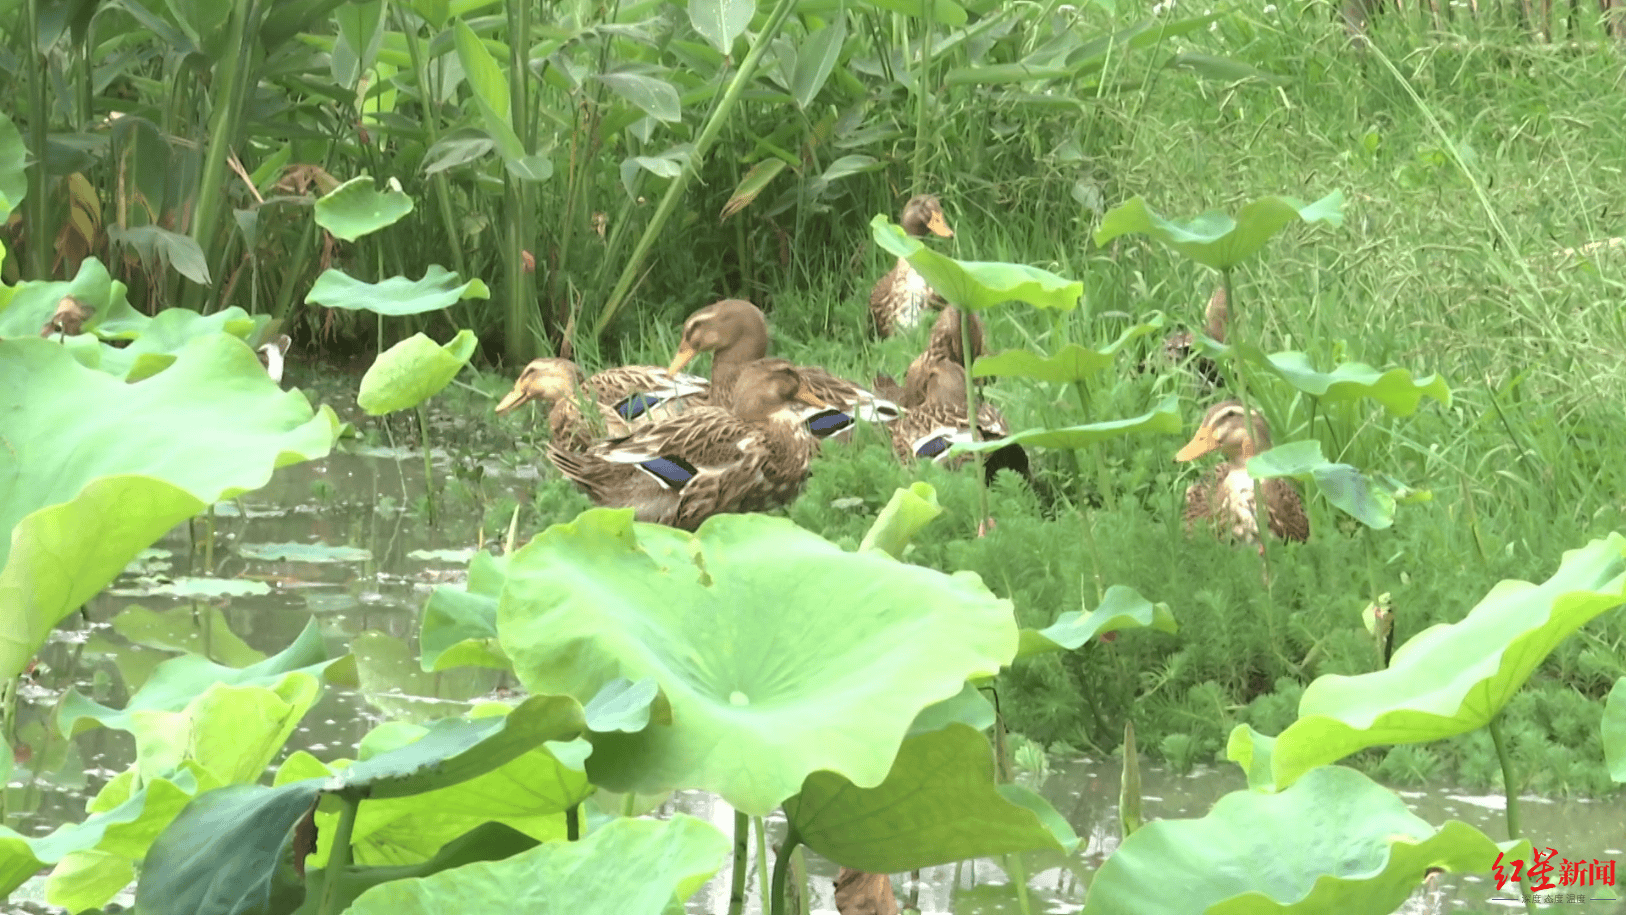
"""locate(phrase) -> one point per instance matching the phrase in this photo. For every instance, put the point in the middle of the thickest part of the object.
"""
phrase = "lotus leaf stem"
(781, 869)
(742, 849)
(573, 823)
(761, 827)
(338, 857)
(428, 462)
(1511, 792)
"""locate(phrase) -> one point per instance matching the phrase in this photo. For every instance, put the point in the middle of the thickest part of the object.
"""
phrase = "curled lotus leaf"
(978, 285)
(1122, 607)
(1164, 418)
(396, 296)
(412, 371)
(357, 207)
(1069, 364)
(1219, 240)
(1397, 389)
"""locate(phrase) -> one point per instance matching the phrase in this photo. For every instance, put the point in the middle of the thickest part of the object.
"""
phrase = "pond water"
(330, 541)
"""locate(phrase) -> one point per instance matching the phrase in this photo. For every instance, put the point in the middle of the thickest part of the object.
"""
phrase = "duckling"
(607, 405)
(1227, 498)
(709, 460)
(1181, 345)
(929, 430)
(272, 353)
(735, 332)
(69, 318)
(903, 295)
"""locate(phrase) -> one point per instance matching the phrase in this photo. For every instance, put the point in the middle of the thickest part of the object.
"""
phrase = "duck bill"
(811, 399)
(685, 355)
(939, 225)
(1200, 444)
(514, 398)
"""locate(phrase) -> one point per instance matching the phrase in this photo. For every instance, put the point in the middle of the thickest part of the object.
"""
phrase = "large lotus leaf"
(1334, 842)
(196, 630)
(95, 470)
(222, 855)
(397, 295)
(25, 308)
(233, 732)
(764, 638)
(412, 371)
(1369, 501)
(176, 682)
(629, 867)
(1122, 607)
(1218, 240)
(356, 208)
(13, 167)
(905, 514)
(460, 624)
(1397, 390)
(968, 707)
(168, 333)
(1614, 731)
(940, 803)
(485, 842)
(1165, 418)
(1069, 364)
(977, 285)
(87, 879)
(128, 826)
(623, 705)
(1452, 678)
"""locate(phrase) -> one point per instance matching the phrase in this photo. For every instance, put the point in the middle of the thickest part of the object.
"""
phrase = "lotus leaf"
(356, 208)
(1218, 240)
(303, 552)
(1614, 731)
(1334, 842)
(940, 803)
(1122, 607)
(1396, 389)
(25, 308)
(233, 732)
(1252, 751)
(1164, 418)
(968, 707)
(175, 683)
(394, 681)
(1069, 364)
(1369, 501)
(905, 514)
(486, 842)
(168, 333)
(87, 879)
(976, 285)
(397, 295)
(622, 705)
(460, 624)
(1452, 678)
(764, 638)
(196, 587)
(83, 497)
(412, 371)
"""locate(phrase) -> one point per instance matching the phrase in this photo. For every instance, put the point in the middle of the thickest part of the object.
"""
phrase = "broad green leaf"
(82, 498)
(486, 842)
(1333, 842)
(158, 246)
(1396, 389)
(433, 12)
(721, 21)
(1369, 501)
(940, 803)
(1165, 418)
(356, 208)
(1069, 364)
(1614, 731)
(1252, 751)
(13, 165)
(815, 59)
(202, 20)
(977, 285)
(1218, 240)
(412, 371)
(233, 732)
(483, 73)
(87, 879)
(460, 624)
(968, 707)
(361, 31)
(622, 705)
(850, 165)
(722, 620)
(628, 867)
(168, 333)
(1452, 678)
(905, 514)
(175, 683)
(202, 631)
(397, 295)
(751, 185)
(654, 97)
(1122, 607)
(26, 307)
(222, 855)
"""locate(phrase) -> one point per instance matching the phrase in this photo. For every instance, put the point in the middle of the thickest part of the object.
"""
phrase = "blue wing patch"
(670, 472)
(638, 404)
(933, 447)
(826, 423)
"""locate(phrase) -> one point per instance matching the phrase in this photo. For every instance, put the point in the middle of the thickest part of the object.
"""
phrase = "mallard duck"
(609, 404)
(708, 460)
(902, 296)
(272, 353)
(1226, 498)
(946, 344)
(928, 431)
(69, 318)
(735, 332)
(1181, 345)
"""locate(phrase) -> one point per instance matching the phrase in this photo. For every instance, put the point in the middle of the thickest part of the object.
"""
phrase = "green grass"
(1464, 176)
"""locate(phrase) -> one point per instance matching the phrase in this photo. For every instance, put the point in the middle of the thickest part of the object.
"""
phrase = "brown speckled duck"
(609, 404)
(945, 345)
(929, 430)
(1181, 345)
(735, 332)
(69, 318)
(709, 460)
(1227, 498)
(903, 296)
